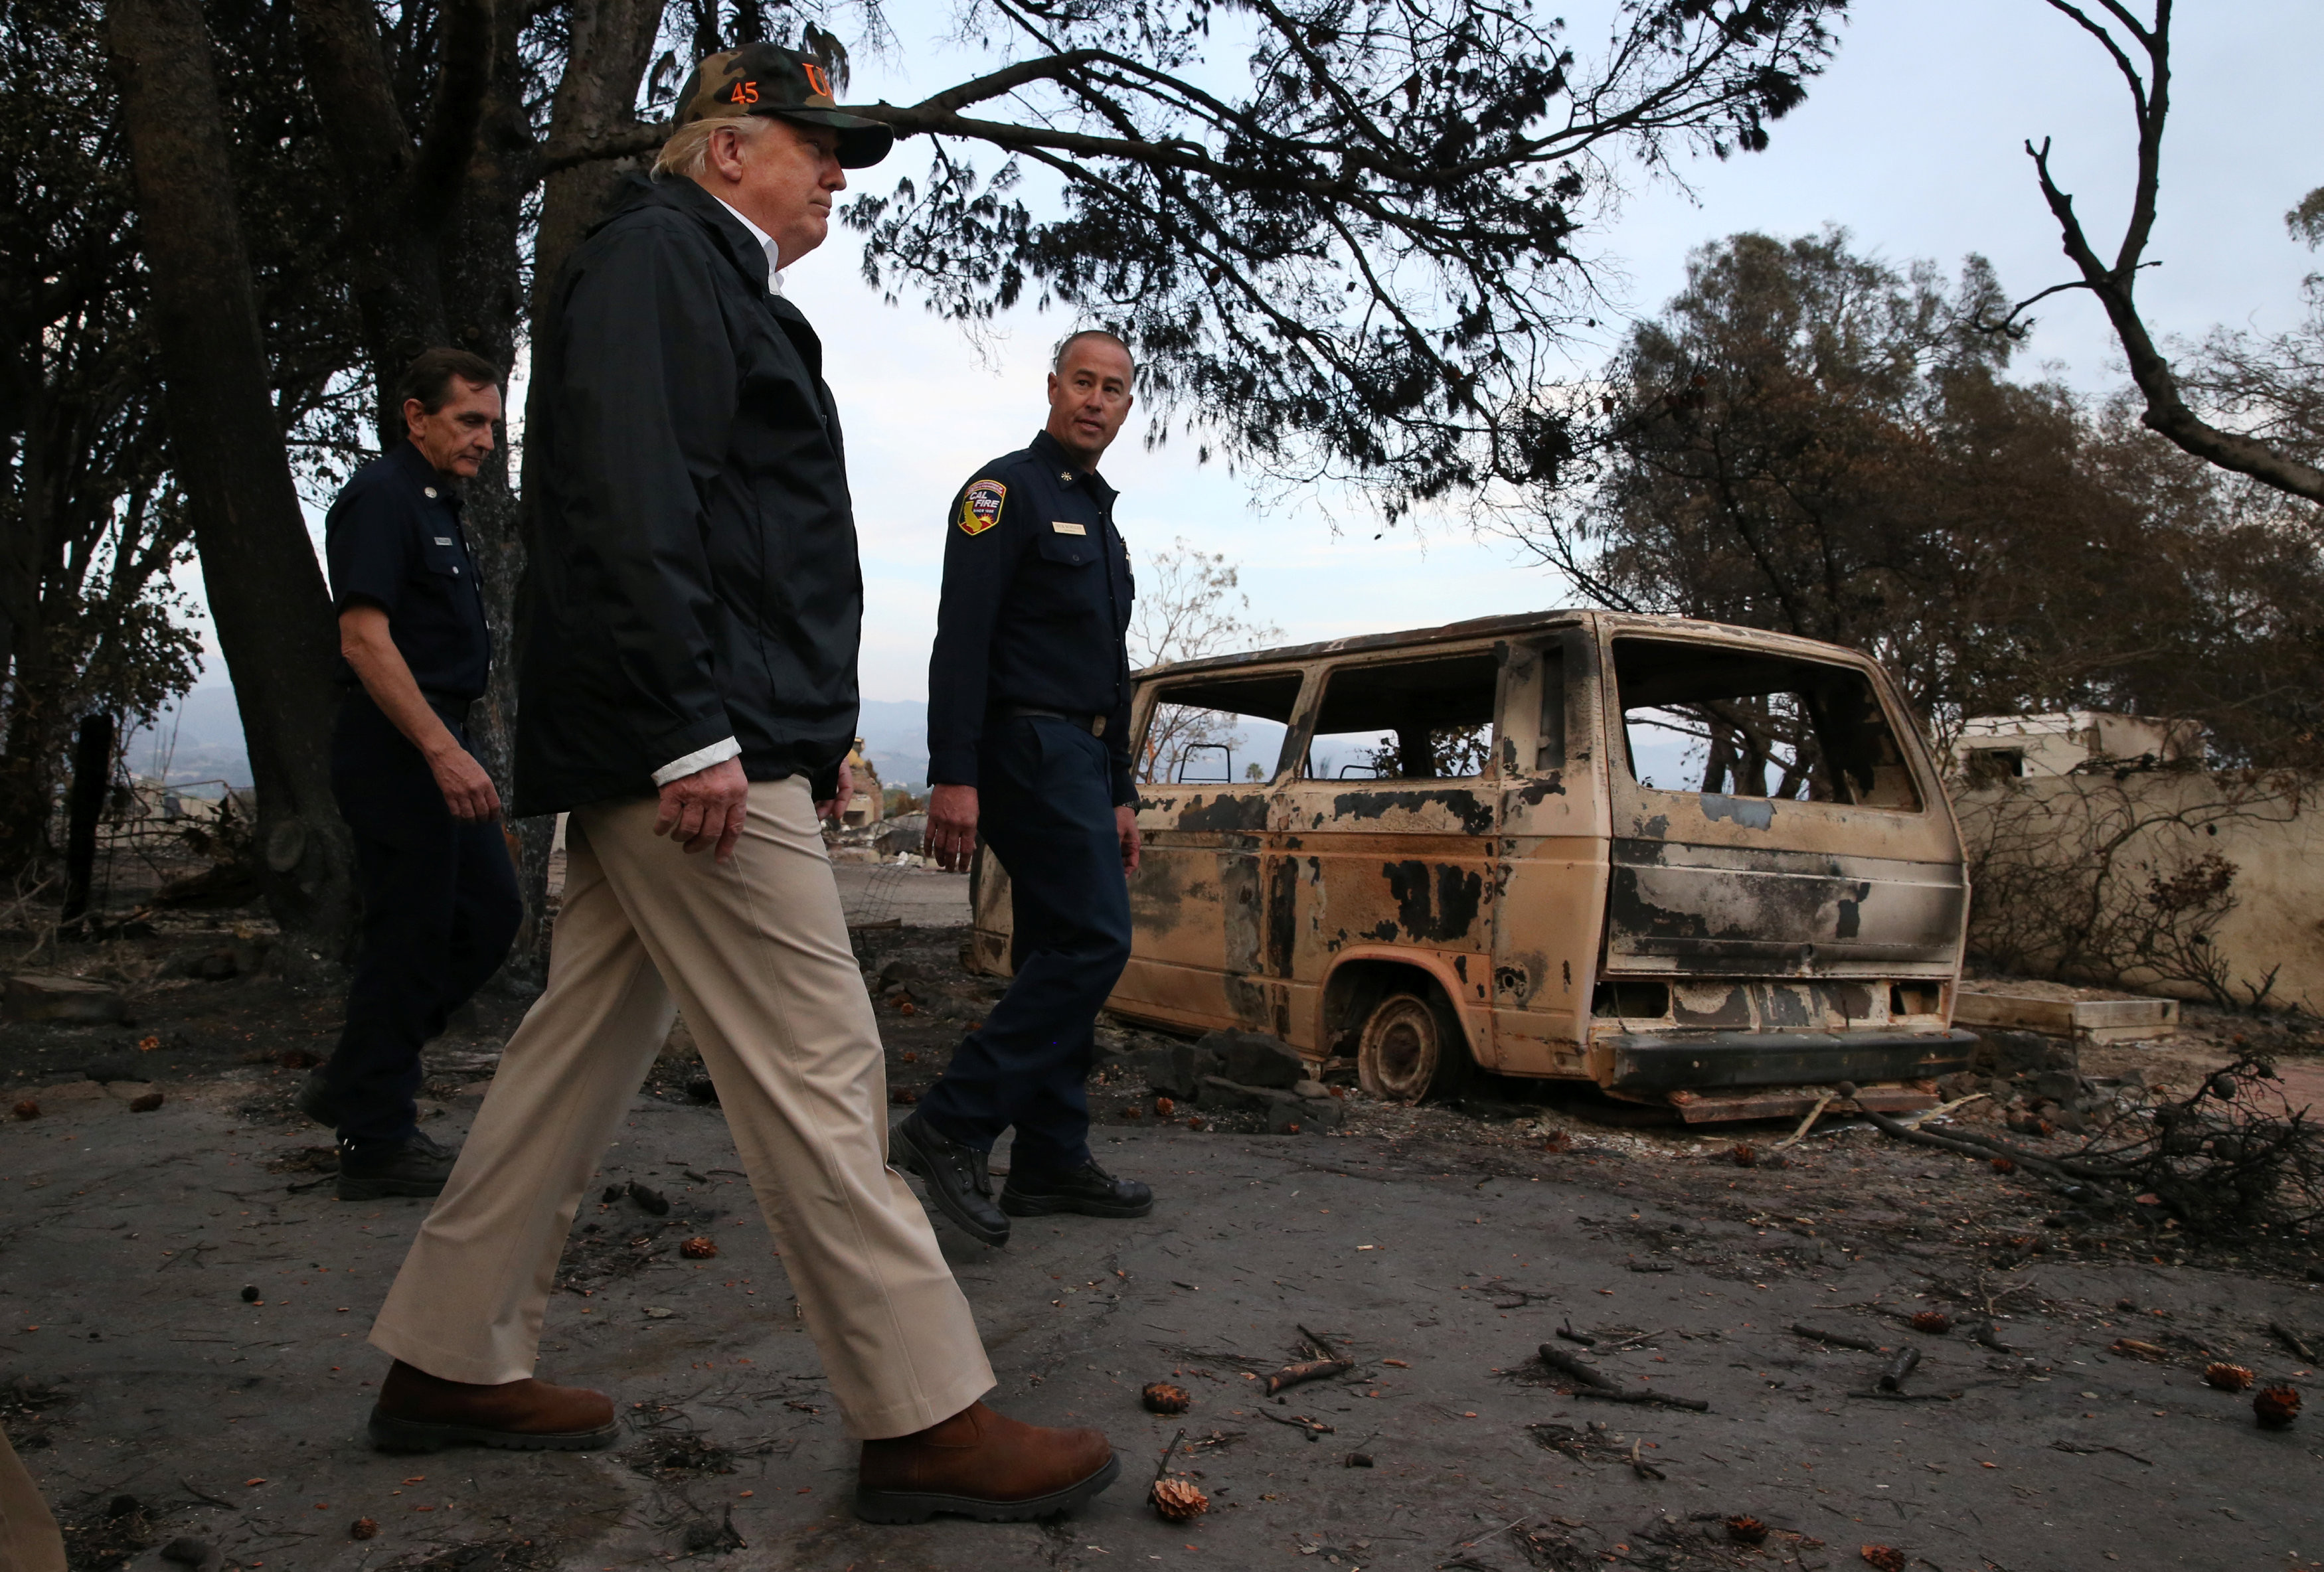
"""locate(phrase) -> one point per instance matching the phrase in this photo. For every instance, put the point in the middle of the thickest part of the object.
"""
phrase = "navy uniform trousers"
(439, 909)
(1044, 806)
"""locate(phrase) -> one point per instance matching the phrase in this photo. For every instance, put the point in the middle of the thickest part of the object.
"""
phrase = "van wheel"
(1411, 1048)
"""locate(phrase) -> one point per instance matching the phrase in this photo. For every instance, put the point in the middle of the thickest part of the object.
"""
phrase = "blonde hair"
(688, 151)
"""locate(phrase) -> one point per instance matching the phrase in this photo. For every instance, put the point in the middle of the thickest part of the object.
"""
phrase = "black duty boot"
(315, 1100)
(956, 1178)
(417, 1167)
(1088, 1190)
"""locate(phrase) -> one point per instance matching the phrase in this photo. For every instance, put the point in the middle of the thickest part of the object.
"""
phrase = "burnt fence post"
(92, 775)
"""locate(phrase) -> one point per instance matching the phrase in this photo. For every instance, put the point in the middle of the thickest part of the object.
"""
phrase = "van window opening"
(1218, 732)
(1740, 723)
(1423, 719)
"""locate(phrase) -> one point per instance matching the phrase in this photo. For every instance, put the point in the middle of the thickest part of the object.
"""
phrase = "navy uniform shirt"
(1035, 608)
(393, 539)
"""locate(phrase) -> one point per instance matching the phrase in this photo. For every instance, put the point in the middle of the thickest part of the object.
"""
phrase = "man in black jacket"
(690, 673)
(1028, 745)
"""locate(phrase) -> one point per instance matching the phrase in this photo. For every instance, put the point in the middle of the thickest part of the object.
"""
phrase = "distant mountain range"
(895, 733)
(200, 740)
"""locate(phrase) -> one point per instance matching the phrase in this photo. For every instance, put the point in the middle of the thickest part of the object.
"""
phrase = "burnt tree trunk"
(484, 292)
(402, 183)
(266, 593)
(612, 45)
(83, 806)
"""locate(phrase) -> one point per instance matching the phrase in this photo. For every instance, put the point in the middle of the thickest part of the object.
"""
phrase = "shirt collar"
(406, 455)
(766, 243)
(1051, 451)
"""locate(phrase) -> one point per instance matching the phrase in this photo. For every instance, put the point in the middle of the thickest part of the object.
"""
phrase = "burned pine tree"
(1361, 263)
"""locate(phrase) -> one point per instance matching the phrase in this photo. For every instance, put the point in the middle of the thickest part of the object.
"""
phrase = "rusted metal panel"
(1677, 906)
(1197, 909)
(1710, 882)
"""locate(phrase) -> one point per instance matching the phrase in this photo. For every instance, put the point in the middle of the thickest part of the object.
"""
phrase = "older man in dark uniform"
(440, 899)
(1029, 722)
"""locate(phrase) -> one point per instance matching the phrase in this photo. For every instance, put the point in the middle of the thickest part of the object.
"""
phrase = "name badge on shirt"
(1062, 528)
(443, 540)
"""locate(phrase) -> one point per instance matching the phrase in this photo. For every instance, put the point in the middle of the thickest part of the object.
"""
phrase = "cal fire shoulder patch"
(980, 506)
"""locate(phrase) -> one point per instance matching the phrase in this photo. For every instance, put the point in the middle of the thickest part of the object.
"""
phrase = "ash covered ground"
(1435, 1249)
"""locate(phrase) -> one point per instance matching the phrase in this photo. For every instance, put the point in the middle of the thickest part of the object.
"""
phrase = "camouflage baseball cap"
(766, 79)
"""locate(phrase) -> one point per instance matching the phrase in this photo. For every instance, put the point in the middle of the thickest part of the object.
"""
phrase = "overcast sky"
(1911, 141)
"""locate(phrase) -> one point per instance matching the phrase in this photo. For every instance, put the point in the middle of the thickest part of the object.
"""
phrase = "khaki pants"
(755, 951)
(28, 1541)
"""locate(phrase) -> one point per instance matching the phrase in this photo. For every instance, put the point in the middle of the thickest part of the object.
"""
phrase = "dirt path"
(1435, 1249)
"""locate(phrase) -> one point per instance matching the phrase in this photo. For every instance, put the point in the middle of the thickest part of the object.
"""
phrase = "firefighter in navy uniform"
(1028, 719)
(440, 896)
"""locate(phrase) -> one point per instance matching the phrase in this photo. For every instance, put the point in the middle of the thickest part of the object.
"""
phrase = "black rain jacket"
(692, 570)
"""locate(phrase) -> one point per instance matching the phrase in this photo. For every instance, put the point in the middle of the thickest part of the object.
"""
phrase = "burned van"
(1696, 865)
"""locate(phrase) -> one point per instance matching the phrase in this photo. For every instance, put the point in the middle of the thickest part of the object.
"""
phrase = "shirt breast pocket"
(441, 561)
(1067, 550)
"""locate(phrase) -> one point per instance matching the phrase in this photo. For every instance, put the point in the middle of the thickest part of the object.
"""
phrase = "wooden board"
(2115, 1020)
(1792, 1102)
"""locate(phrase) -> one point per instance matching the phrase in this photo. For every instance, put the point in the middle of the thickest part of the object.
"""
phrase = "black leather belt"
(1093, 725)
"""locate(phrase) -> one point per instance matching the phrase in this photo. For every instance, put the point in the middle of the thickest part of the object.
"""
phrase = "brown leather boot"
(419, 1413)
(981, 1464)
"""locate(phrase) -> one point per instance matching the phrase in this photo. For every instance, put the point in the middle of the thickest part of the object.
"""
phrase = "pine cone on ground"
(1161, 1397)
(1179, 1500)
(2228, 1377)
(2276, 1407)
(1747, 1530)
(1935, 1322)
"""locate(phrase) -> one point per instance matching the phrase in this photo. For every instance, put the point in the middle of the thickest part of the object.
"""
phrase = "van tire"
(1410, 1048)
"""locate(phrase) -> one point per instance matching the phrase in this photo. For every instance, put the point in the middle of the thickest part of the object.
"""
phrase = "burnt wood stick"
(1306, 1370)
(1989, 1334)
(1839, 1340)
(1893, 1378)
(2291, 1340)
(1588, 1375)
(1969, 1146)
(1692, 1404)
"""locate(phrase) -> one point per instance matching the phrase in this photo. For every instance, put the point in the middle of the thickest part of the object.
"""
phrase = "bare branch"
(2167, 411)
(1056, 67)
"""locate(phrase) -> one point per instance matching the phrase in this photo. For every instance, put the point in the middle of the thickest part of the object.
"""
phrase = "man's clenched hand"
(951, 826)
(1125, 829)
(833, 806)
(705, 808)
(468, 790)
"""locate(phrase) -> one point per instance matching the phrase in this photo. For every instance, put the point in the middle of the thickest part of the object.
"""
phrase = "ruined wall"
(2194, 882)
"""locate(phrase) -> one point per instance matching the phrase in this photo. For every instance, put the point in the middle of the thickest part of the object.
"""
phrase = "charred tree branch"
(2167, 412)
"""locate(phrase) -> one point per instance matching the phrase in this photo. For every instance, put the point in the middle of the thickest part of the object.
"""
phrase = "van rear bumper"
(1681, 1061)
